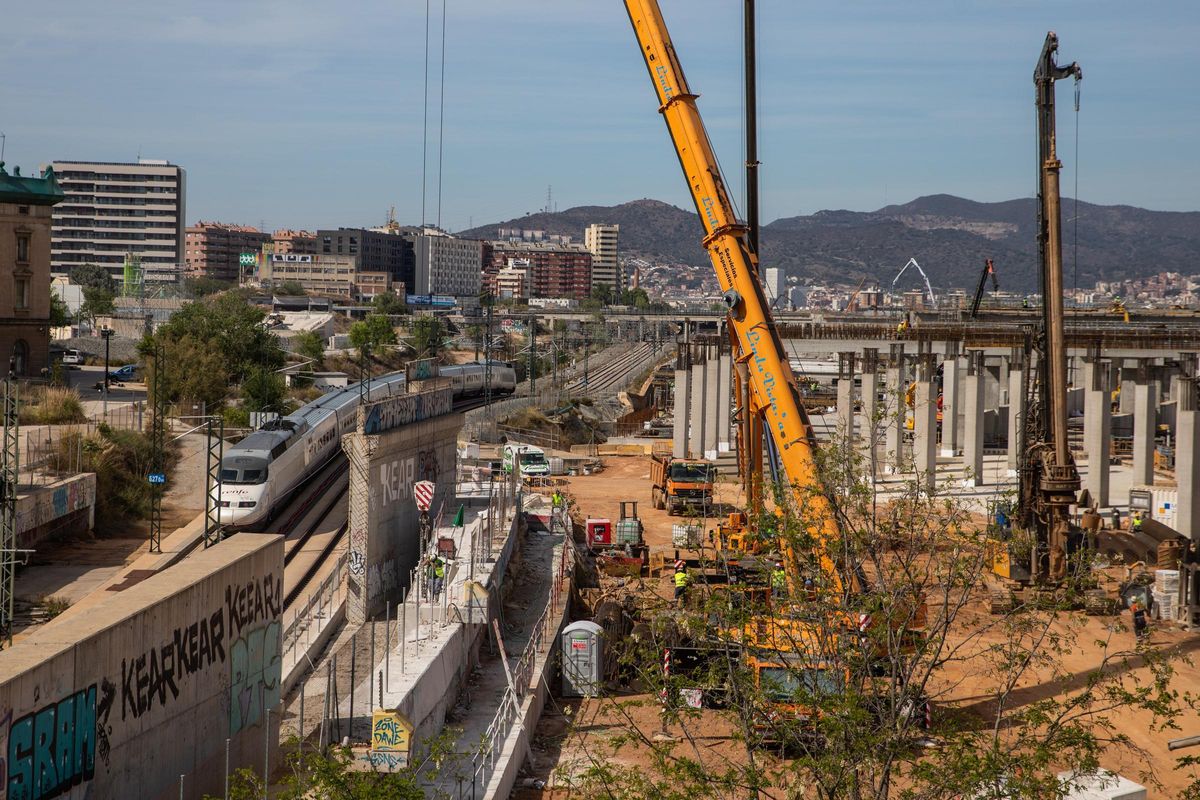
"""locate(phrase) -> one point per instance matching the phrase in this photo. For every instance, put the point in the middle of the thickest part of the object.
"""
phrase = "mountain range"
(949, 236)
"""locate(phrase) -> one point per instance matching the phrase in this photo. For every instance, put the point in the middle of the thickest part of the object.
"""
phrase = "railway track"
(613, 373)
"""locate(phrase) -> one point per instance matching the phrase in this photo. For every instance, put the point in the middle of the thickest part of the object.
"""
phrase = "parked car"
(124, 374)
(72, 358)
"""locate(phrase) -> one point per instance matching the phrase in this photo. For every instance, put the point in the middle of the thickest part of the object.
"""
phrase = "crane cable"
(441, 116)
(1075, 222)
(425, 120)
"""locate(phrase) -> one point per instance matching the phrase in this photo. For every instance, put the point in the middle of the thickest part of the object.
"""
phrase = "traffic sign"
(156, 478)
(423, 494)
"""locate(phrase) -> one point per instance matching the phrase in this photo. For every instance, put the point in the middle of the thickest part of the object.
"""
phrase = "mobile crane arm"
(761, 356)
(988, 269)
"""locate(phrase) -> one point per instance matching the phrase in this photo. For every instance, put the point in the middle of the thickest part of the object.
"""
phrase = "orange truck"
(682, 483)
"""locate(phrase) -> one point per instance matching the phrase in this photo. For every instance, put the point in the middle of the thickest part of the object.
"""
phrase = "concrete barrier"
(121, 701)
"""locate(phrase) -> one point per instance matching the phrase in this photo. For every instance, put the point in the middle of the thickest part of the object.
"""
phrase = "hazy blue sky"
(306, 113)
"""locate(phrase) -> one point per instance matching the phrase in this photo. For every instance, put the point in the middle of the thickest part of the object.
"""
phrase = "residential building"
(555, 270)
(116, 208)
(447, 265)
(601, 241)
(513, 280)
(377, 250)
(26, 211)
(286, 240)
(774, 282)
(214, 249)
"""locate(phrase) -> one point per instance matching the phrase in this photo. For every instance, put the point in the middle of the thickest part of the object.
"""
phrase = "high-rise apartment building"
(555, 270)
(214, 249)
(286, 240)
(775, 283)
(447, 265)
(601, 241)
(115, 208)
(25, 213)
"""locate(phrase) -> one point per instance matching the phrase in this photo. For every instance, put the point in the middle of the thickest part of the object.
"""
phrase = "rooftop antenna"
(549, 199)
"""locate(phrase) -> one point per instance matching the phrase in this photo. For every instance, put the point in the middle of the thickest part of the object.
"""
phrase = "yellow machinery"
(766, 389)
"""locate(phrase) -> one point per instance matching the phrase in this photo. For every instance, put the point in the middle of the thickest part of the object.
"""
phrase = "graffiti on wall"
(56, 746)
(41, 508)
(52, 748)
(397, 476)
(256, 672)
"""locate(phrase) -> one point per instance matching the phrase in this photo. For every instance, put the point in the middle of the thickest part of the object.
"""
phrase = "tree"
(372, 333)
(310, 345)
(331, 777)
(94, 276)
(388, 304)
(428, 336)
(264, 390)
(840, 681)
(231, 326)
(636, 297)
(97, 302)
(291, 288)
(60, 315)
(202, 286)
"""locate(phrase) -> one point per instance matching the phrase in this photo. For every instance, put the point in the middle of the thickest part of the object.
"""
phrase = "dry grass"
(52, 406)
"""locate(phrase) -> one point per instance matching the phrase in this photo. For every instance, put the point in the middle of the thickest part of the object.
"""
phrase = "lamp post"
(107, 333)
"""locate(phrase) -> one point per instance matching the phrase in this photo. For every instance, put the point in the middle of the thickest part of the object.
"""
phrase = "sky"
(309, 114)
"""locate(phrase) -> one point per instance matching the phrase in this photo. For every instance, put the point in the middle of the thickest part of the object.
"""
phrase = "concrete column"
(845, 399)
(925, 424)
(973, 417)
(1128, 384)
(1145, 422)
(696, 415)
(870, 406)
(1097, 429)
(724, 403)
(1002, 380)
(683, 406)
(712, 399)
(897, 383)
(1016, 408)
(1187, 448)
(951, 401)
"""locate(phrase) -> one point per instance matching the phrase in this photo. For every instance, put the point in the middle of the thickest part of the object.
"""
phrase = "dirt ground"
(556, 747)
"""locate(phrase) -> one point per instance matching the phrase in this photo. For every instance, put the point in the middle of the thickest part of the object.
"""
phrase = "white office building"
(447, 266)
(113, 209)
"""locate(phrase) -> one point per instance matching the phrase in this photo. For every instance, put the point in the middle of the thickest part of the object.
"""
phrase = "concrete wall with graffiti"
(384, 539)
(121, 699)
(38, 510)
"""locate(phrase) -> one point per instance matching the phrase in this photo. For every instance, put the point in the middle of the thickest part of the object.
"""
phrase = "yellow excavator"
(782, 649)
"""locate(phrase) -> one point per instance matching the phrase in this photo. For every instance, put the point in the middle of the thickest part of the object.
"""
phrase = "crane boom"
(988, 269)
(912, 262)
(761, 355)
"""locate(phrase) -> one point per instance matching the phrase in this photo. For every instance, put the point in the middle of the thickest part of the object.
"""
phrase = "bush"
(53, 406)
(121, 459)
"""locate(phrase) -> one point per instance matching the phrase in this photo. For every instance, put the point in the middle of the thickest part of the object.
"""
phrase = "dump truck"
(682, 483)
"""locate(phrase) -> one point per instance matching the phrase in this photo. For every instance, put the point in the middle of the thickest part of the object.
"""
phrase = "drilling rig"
(1044, 538)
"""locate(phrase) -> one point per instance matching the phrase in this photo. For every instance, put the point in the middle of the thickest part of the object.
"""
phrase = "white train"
(261, 471)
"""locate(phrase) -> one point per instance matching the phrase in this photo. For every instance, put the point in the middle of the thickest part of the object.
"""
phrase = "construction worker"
(1140, 629)
(682, 579)
(902, 327)
(437, 574)
(556, 499)
(1116, 519)
(779, 580)
(1136, 523)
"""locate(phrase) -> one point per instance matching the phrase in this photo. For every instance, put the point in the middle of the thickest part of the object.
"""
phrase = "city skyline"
(302, 116)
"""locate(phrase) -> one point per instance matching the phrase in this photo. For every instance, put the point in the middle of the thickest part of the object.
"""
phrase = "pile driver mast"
(1048, 475)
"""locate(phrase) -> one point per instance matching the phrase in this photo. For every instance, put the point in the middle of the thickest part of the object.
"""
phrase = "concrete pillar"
(1016, 408)
(696, 415)
(384, 536)
(951, 401)
(712, 400)
(897, 384)
(1128, 384)
(1097, 429)
(870, 407)
(1145, 422)
(1003, 370)
(845, 399)
(925, 424)
(724, 403)
(973, 417)
(683, 406)
(1187, 447)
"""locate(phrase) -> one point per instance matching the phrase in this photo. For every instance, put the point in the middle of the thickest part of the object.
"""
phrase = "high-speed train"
(261, 471)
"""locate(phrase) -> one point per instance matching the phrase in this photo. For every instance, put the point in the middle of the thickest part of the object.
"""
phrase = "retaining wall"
(119, 702)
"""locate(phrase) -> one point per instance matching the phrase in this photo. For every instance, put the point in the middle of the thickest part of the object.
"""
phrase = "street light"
(107, 333)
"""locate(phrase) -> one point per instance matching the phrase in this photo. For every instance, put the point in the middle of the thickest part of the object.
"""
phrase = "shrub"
(53, 406)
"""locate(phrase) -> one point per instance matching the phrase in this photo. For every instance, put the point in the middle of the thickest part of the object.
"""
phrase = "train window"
(229, 476)
(252, 476)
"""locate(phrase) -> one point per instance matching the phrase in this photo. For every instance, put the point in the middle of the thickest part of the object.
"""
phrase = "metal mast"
(10, 470)
(1049, 477)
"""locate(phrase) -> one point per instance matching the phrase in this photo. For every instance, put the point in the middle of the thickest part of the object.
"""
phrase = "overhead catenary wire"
(425, 120)
(441, 116)
(1075, 221)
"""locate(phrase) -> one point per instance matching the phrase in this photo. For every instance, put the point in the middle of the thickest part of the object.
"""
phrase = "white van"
(72, 357)
(531, 460)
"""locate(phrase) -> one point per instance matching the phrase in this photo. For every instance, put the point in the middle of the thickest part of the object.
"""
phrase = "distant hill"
(950, 237)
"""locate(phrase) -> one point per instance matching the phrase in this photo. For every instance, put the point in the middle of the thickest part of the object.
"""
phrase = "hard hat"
(679, 565)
